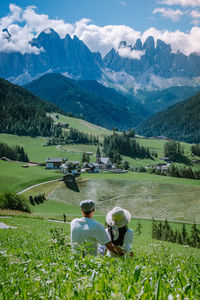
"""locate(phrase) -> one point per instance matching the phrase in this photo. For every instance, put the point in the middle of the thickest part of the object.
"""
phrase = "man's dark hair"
(87, 213)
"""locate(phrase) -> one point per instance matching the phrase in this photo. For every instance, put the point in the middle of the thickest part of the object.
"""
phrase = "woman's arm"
(115, 249)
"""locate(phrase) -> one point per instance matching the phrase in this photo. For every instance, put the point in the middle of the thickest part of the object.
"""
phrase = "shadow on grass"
(70, 183)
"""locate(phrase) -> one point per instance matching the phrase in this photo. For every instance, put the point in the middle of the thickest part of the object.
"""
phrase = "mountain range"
(69, 56)
(157, 66)
(151, 79)
(89, 100)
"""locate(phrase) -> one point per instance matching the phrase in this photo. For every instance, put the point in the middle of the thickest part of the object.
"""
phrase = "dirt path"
(57, 221)
(4, 226)
(30, 187)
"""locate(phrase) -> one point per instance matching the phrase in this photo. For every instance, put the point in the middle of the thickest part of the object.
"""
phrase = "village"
(102, 164)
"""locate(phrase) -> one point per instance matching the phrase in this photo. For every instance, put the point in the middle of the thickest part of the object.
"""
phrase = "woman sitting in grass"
(117, 220)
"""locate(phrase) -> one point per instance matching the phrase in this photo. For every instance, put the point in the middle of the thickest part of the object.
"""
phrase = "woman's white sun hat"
(118, 216)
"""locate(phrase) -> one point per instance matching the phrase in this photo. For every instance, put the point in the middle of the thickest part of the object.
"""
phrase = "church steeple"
(98, 155)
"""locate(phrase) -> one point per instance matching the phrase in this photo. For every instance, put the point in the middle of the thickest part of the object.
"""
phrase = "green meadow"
(13, 177)
(38, 152)
(145, 196)
(82, 125)
(36, 259)
(36, 262)
(35, 148)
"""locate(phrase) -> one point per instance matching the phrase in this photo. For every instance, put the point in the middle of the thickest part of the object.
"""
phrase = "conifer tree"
(184, 234)
(139, 228)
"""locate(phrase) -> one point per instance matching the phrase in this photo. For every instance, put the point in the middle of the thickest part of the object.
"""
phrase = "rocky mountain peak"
(68, 37)
(149, 44)
(138, 45)
(162, 46)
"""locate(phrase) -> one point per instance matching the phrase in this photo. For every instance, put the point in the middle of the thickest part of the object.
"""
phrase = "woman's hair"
(120, 240)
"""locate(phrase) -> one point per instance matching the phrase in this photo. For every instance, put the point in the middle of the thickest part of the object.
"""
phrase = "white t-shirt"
(88, 230)
(128, 241)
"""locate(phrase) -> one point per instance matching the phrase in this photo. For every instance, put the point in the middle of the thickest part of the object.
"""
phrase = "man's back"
(88, 230)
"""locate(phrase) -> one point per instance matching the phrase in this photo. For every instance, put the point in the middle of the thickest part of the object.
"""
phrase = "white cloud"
(127, 52)
(186, 43)
(192, 3)
(13, 16)
(174, 15)
(24, 25)
(102, 39)
(195, 14)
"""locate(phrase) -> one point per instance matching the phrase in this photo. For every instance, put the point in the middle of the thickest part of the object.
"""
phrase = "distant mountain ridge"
(180, 122)
(157, 59)
(70, 56)
(157, 66)
(89, 100)
(158, 79)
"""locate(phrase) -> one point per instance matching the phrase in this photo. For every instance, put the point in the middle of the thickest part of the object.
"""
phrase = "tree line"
(73, 136)
(176, 171)
(195, 149)
(13, 153)
(183, 172)
(123, 144)
(165, 232)
(173, 149)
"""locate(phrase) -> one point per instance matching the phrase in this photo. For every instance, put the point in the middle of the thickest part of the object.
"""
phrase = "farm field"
(144, 195)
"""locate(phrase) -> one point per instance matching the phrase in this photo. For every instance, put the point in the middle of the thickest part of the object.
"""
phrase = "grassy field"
(38, 152)
(36, 262)
(83, 126)
(13, 177)
(145, 195)
(158, 146)
(35, 148)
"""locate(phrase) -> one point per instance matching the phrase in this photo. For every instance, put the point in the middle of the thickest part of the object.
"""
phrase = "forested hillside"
(179, 122)
(84, 103)
(22, 113)
(159, 100)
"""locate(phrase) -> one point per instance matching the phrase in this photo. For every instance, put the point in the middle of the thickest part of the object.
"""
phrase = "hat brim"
(121, 223)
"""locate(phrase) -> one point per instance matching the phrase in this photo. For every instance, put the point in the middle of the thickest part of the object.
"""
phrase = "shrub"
(31, 200)
(39, 198)
(10, 200)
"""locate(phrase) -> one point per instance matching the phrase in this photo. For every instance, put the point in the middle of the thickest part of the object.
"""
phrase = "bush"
(37, 199)
(10, 200)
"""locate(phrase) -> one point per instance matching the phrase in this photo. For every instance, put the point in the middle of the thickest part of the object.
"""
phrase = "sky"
(102, 24)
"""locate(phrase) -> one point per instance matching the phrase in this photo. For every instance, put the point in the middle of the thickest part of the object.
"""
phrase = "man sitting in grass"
(89, 232)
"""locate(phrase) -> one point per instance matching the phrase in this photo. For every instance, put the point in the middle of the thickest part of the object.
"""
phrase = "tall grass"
(36, 262)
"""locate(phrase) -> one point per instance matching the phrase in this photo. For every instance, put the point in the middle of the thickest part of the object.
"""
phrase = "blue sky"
(102, 24)
(138, 14)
